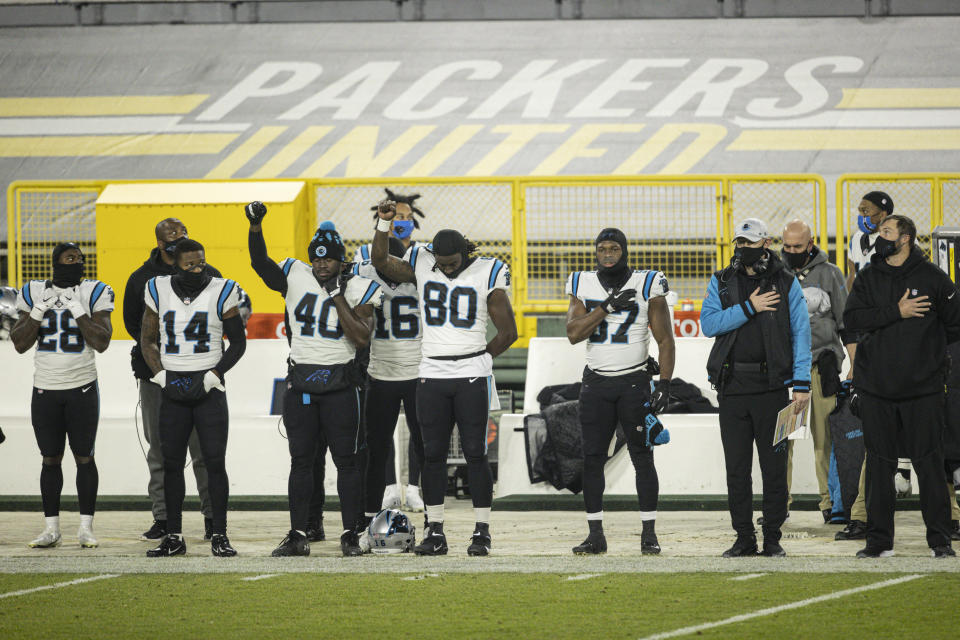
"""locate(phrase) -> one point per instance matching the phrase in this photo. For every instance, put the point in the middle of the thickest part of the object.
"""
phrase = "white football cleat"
(48, 539)
(86, 538)
(412, 498)
(365, 541)
(391, 497)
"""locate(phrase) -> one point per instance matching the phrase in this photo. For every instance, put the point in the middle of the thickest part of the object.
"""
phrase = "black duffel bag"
(317, 379)
(184, 386)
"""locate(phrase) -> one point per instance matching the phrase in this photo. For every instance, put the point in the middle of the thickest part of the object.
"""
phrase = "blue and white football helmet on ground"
(391, 531)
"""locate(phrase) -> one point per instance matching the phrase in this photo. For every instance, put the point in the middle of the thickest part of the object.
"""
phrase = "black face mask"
(795, 260)
(616, 275)
(190, 282)
(748, 256)
(170, 247)
(67, 275)
(885, 248)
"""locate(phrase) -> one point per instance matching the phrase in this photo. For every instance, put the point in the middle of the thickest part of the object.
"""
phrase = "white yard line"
(750, 576)
(260, 577)
(585, 576)
(24, 592)
(783, 607)
(422, 576)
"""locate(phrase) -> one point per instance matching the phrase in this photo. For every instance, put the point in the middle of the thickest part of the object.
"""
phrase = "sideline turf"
(471, 606)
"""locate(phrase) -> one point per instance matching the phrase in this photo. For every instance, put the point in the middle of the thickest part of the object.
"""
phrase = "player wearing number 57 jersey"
(329, 315)
(457, 295)
(185, 318)
(611, 309)
(67, 318)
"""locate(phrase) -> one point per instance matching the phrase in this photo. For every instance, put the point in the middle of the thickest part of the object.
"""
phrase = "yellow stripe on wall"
(100, 105)
(899, 98)
(846, 140)
(144, 145)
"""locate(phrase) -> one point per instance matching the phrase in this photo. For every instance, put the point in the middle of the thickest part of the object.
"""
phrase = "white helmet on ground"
(391, 532)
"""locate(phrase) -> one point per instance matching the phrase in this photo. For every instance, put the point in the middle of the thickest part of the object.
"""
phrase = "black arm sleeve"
(133, 305)
(233, 329)
(268, 270)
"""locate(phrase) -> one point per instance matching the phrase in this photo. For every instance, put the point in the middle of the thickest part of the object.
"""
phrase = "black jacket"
(899, 358)
(133, 305)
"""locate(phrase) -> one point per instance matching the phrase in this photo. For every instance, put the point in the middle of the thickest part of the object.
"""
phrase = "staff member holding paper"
(756, 310)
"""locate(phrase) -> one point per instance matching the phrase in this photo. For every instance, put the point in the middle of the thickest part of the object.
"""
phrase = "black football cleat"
(156, 531)
(208, 528)
(434, 542)
(855, 530)
(955, 529)
(293, 544)
(220, 546)
(743, 547)
(943, 551)
(480, 541)
(596, 543)
(773, 550)
(874, 552)
(649, 545)
(171, 545)
(315, 530)
(350, 544)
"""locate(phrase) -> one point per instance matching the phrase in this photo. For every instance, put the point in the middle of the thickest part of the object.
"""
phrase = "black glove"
(660, 395)
(255, 211)
(620, 300)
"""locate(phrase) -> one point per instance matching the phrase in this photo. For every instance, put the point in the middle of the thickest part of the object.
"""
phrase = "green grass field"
(613, 605)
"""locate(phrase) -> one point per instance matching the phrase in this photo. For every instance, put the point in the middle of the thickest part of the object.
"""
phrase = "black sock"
(436, 527)
(649, 526)
(596, 526)
(88, 479)
(51, 485)
(482, 527)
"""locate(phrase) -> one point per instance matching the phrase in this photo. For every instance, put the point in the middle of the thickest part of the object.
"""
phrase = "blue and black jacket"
(785, 331)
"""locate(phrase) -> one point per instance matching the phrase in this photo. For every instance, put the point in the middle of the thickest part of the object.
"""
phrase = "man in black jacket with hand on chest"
(906, 310)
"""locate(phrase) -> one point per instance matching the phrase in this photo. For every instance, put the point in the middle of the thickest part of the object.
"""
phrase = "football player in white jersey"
(458, 293)
(873, 208)
(329, 316)
(189, 363)
(67, 318)
(404, 223)
(391, 379)
(611, 308)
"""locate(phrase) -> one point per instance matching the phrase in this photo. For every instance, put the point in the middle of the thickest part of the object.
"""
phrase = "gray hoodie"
(826, 295)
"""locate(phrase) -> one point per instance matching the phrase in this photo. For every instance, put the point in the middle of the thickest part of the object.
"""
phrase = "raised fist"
(386, 209)
(255, 211)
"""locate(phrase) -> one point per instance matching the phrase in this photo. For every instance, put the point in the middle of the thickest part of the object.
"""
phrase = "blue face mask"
(863, 222)
(402, 228)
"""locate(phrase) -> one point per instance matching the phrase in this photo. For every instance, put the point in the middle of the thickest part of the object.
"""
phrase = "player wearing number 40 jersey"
(67, 318)
(329, 314)
(457, 294)
(185, 318)
(611, 308)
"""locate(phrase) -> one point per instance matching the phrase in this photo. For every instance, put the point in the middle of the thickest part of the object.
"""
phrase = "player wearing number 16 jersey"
(194, 312)
(67, 318)
(329, 315)
(611, 309)
(457, 295)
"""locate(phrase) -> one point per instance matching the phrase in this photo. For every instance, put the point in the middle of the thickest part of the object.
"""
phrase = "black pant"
(604, 402)
(334, 416)
(381, 410)
(209, 416)
(441, 402)
(318, 498)
(745, 419)
(414, 458)
(904, 427)
(59, 413)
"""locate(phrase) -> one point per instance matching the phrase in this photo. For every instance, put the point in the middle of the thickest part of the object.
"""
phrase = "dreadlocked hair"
(471, 246)
(407, 200)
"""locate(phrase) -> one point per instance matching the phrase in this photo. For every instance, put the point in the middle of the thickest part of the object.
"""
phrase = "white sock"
(53, 522)
(595, 516)
(435, 513)
(303, 533)
(86, 522)
(177, 536)
(648, 515)
(369, 515)
(482, 514)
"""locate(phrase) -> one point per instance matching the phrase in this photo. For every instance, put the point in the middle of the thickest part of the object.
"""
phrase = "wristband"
(384, 225)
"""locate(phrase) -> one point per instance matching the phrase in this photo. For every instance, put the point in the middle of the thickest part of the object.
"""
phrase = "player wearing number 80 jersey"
(457, 295)
(67, 319)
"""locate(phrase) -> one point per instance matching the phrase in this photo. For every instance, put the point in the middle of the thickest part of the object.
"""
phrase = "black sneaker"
(874, 552)
(220, 546)
(157, 531)
(943, 551)
(293, 544)
(315, 530)
(480, 541)
(434, 542)
(772, 550)
(855, 530)
(649, 545)
(350, 544)
(208, 528)
(596, 543)
(170, 546)
(743, 546)
(955, 529)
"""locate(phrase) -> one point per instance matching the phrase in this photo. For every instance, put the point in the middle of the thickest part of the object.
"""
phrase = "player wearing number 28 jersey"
(67, 318)
(457, 293)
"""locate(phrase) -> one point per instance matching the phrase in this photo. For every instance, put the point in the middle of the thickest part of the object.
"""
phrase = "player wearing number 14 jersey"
(458, 293)
(67, 318)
